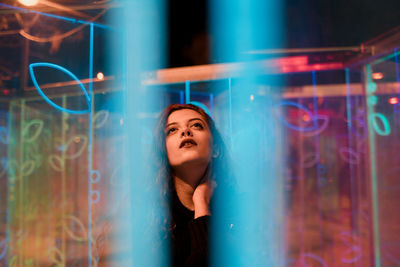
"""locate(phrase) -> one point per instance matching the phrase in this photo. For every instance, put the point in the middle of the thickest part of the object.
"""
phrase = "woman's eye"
(198, 125)
(171, 130)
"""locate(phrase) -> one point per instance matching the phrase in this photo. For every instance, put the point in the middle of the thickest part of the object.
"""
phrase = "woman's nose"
(186, 132)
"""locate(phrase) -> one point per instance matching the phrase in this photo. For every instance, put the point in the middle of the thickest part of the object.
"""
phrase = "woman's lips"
(187, 143)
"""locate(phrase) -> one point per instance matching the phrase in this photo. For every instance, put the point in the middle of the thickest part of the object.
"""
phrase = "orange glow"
(100, 76)
(377, 75)
(28, 2)
(393, 100)
(306, 118)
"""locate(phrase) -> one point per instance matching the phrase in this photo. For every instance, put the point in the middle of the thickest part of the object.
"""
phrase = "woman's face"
(188, 138)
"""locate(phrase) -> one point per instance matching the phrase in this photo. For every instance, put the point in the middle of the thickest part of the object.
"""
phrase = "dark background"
(308, 24)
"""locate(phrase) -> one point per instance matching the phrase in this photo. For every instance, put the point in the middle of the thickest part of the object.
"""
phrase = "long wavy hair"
(218, 170)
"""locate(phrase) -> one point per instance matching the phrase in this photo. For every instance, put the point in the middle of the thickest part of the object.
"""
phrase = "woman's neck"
(186, 181)
(184, 192)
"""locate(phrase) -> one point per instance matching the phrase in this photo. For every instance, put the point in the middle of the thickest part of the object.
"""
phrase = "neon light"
(4, 164)
(3, 135)
(374, 178)
(80, 150)
(202, 106)
(349, 155)
(353, 249)
(372, 100)
(3, 244)
(377, 75)
(100, 76)
(187, 92)
(97, 196)
(321, 128)
(181, 97)
(308, 113)
(371, 87)
(385, 123)
(96, 174)
(25, 10)
(27, 167)
(53, 160)
(48, 100)
(310, 160)
(35, 135)
(312, 256)
(56, 256)
(90, 165)
(28, 2)
(80, 225)
(393, 100)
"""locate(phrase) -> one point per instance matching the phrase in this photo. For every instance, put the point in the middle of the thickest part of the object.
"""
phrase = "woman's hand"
(201, 198)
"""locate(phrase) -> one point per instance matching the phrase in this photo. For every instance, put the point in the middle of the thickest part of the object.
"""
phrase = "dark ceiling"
(308, 23)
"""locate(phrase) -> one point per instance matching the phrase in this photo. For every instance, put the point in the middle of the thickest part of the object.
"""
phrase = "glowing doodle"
(48, 100)
(305, 260)
(385, 124)
(96, 174)
(349, 155)
(353, 253)
(26, 131)
(100, 118)
(310, 160)
(321, 171)
(3, 135)
(56, 256)
(321, 128)
(4, 166)
(81, 139)
(4, 246)
(56, 163)
(13, 261)
(97, 196)
(358, 126)
(313, 130)
(72, 220)
(28, 167)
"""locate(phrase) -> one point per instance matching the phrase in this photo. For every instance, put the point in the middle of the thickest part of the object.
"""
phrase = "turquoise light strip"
(187, 92)
(374, 180)
(90, 144)
(350, 126)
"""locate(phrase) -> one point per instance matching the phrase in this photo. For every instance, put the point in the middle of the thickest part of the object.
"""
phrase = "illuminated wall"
(65, 195)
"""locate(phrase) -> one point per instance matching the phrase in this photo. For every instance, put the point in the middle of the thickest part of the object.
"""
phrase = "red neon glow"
(377, 75)
(5, 92)
(393, 100)
(308, 68)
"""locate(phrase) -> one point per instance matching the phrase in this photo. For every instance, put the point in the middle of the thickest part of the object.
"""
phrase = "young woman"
(192, 155)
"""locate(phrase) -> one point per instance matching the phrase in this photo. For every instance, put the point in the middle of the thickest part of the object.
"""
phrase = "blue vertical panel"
(144, 51)
(245, 230)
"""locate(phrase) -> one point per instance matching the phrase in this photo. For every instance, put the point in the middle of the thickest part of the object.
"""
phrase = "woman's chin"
(191, 160)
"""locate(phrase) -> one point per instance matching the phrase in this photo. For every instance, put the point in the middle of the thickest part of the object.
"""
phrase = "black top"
(189, 236)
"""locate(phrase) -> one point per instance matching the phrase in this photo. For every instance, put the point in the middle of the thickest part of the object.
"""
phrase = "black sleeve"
(198, 229)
